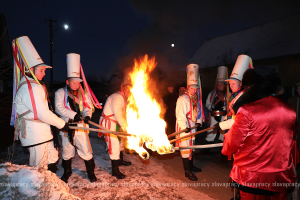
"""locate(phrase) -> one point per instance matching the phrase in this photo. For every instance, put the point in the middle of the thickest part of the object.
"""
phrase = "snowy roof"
(273, 39)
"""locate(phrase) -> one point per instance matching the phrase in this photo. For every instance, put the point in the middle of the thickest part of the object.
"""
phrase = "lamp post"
(51, 48)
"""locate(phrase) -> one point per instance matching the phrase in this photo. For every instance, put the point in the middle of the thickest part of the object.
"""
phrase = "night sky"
(110, 34)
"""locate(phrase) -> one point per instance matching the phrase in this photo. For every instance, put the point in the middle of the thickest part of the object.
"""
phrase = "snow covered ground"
(144, 179)
(23, 182)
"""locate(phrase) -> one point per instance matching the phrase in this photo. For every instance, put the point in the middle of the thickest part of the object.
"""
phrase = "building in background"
(272, 46)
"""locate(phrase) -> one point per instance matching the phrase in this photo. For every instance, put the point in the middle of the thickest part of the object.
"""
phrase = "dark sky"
(110, 34)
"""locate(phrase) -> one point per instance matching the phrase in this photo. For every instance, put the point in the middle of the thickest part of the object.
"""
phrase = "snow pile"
(24, 182)
(144, 179)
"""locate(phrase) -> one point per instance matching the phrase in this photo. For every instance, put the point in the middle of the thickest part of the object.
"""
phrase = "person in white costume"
(187, 116)
(67, 105)
(242, 63)
(33, 114)
(217, 101)
(113, 118)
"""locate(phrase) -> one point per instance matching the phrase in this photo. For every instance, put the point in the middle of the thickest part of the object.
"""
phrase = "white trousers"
(42, 155)
(185, 153)
(211, 134)
(117, 145)
(82, 142)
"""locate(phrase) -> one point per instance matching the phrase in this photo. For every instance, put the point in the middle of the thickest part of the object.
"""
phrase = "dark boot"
(52, 167)
(123, 162)
(193, 168)
(67, 170)
(115, 169)
(90, 167)
(188, 172)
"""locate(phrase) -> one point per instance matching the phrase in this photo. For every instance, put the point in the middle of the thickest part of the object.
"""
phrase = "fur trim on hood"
(265, 87)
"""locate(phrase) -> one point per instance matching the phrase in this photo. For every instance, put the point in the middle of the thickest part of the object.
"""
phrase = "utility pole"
(51, 47)
(51, 52)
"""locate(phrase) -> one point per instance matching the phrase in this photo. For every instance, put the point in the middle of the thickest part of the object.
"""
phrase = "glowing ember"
(143, 113)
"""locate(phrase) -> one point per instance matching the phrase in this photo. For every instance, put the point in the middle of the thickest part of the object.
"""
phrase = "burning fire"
(143, 113)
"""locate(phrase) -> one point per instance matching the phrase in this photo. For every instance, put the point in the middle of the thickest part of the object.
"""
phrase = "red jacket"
(262, 139)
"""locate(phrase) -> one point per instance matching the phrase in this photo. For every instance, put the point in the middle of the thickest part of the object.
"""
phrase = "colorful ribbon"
(89, 91)
(17, 78)
(199, 91)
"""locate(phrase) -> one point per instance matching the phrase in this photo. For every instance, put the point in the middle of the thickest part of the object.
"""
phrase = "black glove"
(55, 136)
(217, 127)
(77, 118)
(87, 119)
(66, 127)
(198, 124)
(187, 130)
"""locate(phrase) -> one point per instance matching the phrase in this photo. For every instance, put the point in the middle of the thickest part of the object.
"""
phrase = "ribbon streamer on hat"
(89, 91)
(199, 92)
(251, 64)
(19, 72)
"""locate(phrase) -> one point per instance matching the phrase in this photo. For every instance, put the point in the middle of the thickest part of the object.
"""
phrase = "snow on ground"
(144, 179)
(23, 182)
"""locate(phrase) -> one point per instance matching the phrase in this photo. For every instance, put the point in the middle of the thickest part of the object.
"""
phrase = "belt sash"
(107, 123)
(191, 138)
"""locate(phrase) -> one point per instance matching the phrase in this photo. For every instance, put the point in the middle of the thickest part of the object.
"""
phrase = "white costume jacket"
(186, 117)
(66, 112)
(208, 103)
(227, 124)
(211, 134)
(33, 132)
(113, 115)
(114, 112)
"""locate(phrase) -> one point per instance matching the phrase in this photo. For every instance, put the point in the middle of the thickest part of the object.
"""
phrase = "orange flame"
(143, 113)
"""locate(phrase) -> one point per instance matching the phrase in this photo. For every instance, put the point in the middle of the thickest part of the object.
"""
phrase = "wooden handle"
(178, 132)
(99, 130)
(191, 134)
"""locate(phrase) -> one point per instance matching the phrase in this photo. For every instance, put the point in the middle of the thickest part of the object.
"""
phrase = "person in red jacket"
(263, 141)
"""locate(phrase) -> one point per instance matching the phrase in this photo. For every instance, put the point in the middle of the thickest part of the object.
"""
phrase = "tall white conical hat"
(29, 54)
(127, 79)
(192, 71)
(222, 74)
(242, 63)
(73, 66)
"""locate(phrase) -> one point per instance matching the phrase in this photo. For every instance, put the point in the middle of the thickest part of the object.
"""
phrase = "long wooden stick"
(99, 130)
(97, 125)
(191, 134)
(178, 132)
(200, 146)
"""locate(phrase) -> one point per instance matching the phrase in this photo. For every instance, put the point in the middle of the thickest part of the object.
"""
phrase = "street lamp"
(66, 27)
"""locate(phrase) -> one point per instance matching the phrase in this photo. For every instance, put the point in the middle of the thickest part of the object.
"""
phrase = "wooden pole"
(99, 130)
(178, 132)
(191, 134)
(97, 125)
(200, 146)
